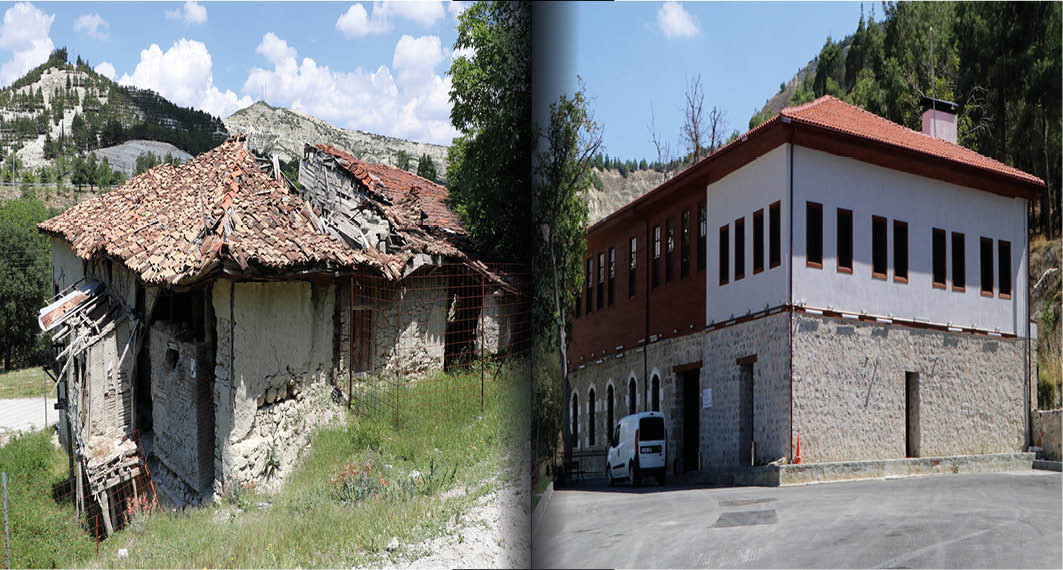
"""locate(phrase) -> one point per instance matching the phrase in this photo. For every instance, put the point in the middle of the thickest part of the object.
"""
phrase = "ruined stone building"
(208, 306)
(830, 276)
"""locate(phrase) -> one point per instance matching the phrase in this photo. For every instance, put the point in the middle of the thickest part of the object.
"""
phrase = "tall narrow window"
(601, 280)
(655, 278)
(703, 231)
(775, 234)
(655, 394)
(725, 252)
(900, 251)
(590, 417)
(669, 255)
(631, 397)
(740, 248)
(632, 266)
(1004, 268)
(879, 254)
(814, 235)
(959, 263)
(758, 241)
(612, 273)
(609, 409)
(684, 244)
(845, 240)
(938, 245)
(575, 420)
(589, 280)
(985, 248)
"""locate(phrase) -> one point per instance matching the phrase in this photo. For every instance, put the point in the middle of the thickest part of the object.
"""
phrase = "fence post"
(7, 533)
(483, 308)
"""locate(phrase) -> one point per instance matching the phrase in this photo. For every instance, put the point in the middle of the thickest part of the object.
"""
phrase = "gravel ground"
(494, 534)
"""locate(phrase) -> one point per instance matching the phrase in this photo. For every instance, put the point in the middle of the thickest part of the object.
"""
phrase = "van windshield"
(651, 429)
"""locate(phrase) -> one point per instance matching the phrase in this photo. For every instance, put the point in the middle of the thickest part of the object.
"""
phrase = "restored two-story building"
(830, 276)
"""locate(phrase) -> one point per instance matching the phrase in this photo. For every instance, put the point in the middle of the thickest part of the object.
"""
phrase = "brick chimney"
(939, 119)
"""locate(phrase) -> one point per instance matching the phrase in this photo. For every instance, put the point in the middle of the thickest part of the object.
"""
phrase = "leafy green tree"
(103, 174)
(426, 168)
(24, 277)
(489, 164)
(145, 161)
(563, 175)
(402, 160)
(80, 175)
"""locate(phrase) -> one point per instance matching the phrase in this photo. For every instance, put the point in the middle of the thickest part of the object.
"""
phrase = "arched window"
(631, 396)
(655, 388)
(590, 416)
(575, 420)
(609, 410)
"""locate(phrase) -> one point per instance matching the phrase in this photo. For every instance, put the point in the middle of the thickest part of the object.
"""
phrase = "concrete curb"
(540, 508)
(1048, 465)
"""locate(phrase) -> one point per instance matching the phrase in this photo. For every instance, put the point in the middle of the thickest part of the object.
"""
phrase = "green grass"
(309, 525)
(25, 383)
(44, 534)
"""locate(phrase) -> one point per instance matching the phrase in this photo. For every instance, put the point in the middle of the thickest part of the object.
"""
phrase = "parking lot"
(983, 520)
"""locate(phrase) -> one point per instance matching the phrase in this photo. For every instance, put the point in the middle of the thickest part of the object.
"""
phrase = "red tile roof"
(834, 114)
(174, 224)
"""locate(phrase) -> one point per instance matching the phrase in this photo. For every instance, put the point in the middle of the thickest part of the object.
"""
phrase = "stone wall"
(719, 425)
(495, 331)
(1047, 431)
(766, 339)
(408, 325)
(182, 377)
(849, 390)
(275, 345)
(108, 410)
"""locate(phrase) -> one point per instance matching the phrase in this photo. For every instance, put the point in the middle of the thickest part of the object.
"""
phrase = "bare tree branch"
(693, 132)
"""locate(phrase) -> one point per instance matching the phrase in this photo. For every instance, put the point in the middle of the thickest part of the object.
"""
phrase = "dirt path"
(496, 533)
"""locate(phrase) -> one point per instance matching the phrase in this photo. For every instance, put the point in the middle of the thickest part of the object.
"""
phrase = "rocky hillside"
(123, 157)
(616, 190)
(62, 108)
(283, 132)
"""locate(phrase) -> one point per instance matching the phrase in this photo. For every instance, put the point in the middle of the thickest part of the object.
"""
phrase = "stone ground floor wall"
(669, 361)
(849, 390)
(274, 347)
(1047, 429)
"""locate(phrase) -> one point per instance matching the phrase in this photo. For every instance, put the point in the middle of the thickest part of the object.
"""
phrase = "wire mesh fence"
(449, 331)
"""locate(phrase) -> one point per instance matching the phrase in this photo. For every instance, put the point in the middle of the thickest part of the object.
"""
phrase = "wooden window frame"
(655, 263)
(601, 280)
(590, 285)
(684, 244)
(632, 266)
(775, 234)
(809, 208)
(725, 255)
(611, 287)
(962, 288)
(703, 236)
(898, 224)
(982, 243)
(885, 246)
(758, 241)
(740, 243)
(847, 269)
(669, 250)
(1004, 269)
(934, 233)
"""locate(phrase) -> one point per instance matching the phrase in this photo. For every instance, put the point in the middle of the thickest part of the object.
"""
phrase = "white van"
(639, 447)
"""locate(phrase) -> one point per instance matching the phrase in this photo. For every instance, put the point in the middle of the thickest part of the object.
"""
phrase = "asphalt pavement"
(977, 520)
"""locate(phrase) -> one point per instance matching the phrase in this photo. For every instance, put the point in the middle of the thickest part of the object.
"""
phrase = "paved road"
(25, 414)
(983, 520)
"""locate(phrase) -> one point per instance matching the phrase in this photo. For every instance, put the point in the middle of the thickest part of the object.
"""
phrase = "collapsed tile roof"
(176, 224)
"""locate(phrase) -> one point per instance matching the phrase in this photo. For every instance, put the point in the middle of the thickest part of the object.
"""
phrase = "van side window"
(616, 436)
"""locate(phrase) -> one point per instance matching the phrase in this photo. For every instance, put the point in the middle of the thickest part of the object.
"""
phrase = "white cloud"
(456, 7)
(25, 34)
(675, 22)
(191, 12)
(274, 49)
(358, 22)
(182, 74)
(93, 25)
(411, 100)
(106, 69)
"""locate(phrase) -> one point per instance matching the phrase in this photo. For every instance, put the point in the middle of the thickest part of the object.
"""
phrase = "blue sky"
(632, 55)
(380, 68)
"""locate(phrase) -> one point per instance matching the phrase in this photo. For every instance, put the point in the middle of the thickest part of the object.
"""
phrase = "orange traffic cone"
(798, 458)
